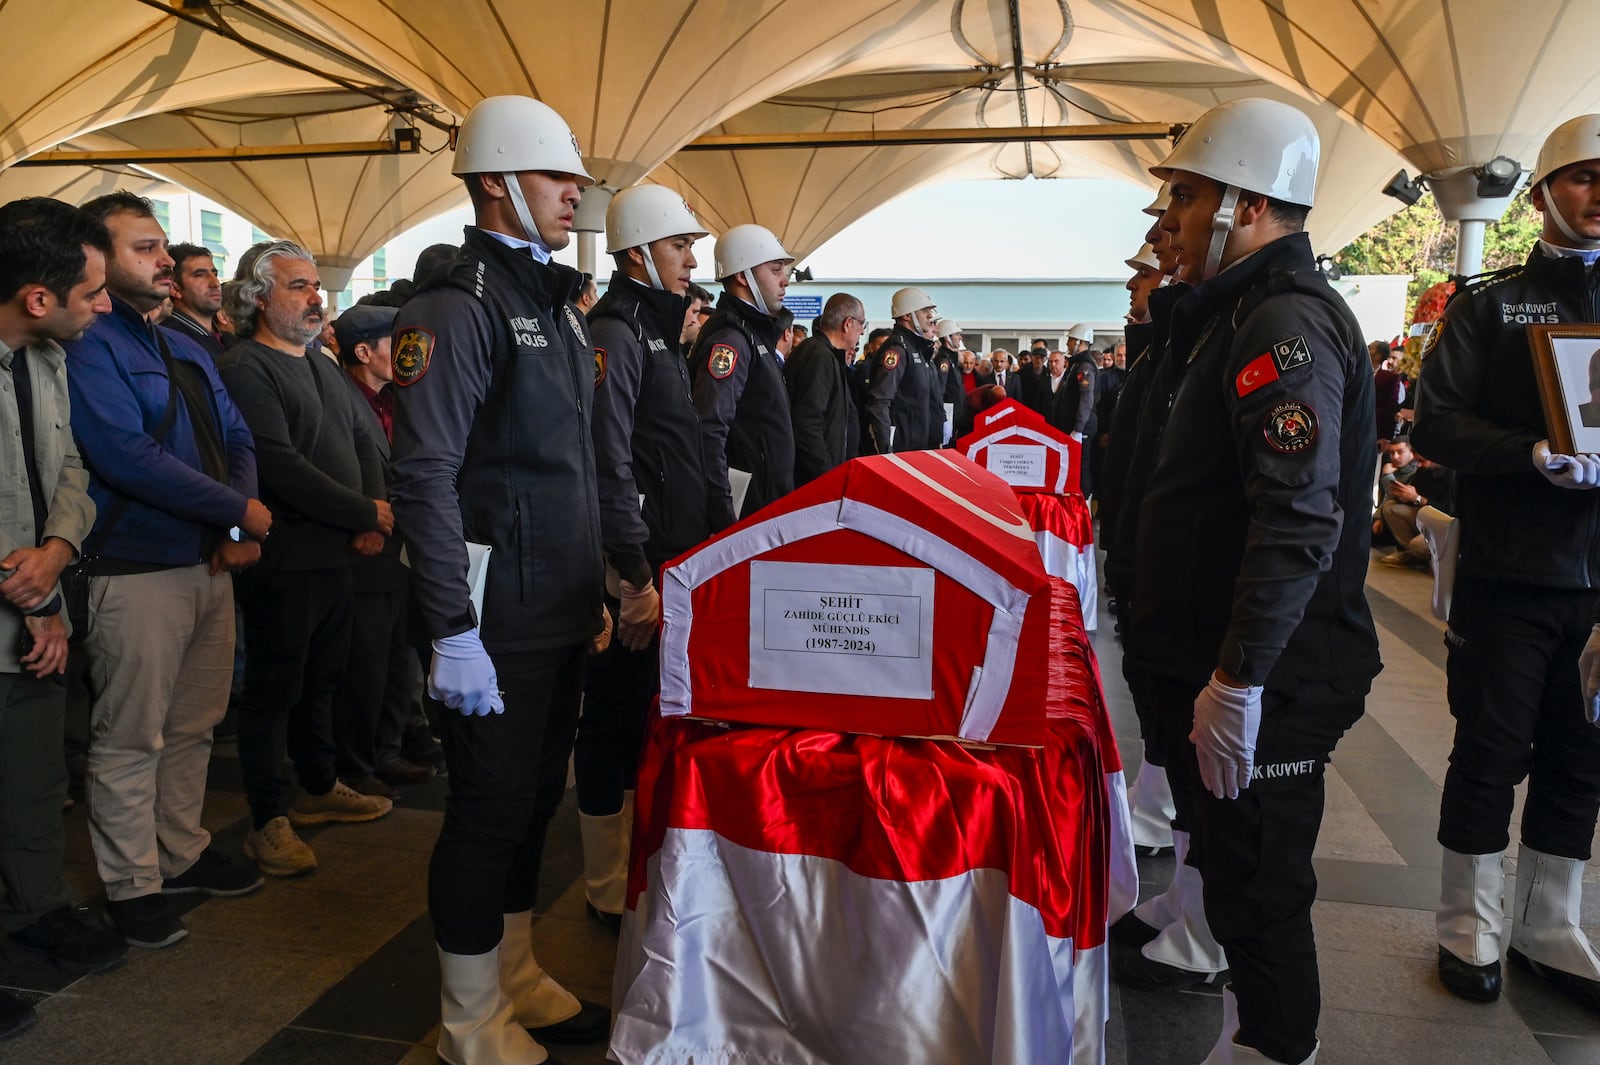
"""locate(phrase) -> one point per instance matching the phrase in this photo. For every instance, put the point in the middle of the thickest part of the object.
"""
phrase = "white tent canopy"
(1441, 82)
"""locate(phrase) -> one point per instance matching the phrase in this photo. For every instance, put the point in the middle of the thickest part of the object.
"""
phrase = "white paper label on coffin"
(1018, 464)
(842, 630)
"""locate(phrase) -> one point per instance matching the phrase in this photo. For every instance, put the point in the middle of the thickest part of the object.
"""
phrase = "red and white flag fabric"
(809, 897)
(1064, 531)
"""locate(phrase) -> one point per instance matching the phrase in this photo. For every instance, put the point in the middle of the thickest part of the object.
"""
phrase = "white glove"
(1566, 471)
(1589, 676)
(1226, 721)
(462, 675)
(602, 639)
(1077, 436)
(641, 609)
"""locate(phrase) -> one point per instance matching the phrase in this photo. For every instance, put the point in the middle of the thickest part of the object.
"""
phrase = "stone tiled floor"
(339, 967)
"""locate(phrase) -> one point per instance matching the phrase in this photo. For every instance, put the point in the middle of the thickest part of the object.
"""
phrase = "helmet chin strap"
(650, 268)
(756, 297)
(1561, 223)
(539, 249)
(1221, 226)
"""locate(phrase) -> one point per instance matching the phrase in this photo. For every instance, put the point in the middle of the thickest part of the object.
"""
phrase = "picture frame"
(1566, 362)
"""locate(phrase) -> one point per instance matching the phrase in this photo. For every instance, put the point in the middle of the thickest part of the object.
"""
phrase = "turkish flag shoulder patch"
(1260, 372)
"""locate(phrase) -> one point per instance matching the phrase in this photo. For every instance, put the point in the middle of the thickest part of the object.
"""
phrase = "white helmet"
(746, 247)
(909, 301)
(1082, 332)
(510, 134)
(1257, 145)
(1574, 141)
(646, 213)
(1146, 257)
(946, 327)
(1158, 206)
(743, 248)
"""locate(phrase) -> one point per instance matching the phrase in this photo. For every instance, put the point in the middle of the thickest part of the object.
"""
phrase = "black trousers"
(1515, 695)
(1254, 854)
(507, 775)
(373, 705)
(621, 688)
(1152, 724)
(297, 623)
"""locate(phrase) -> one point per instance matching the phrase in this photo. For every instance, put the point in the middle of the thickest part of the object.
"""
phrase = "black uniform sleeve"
(1448, 428)
(936, 417)
(433, 415)
(717, 388)
(1084, 380)
(622, 529)
(1286, 435)
(883, 381)
(809, 378)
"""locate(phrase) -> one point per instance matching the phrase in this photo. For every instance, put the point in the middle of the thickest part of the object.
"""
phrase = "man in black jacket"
(820, 405)
(738, 381)
(649, 463)
(492, 447)
(1523, 600)
(1249, 601)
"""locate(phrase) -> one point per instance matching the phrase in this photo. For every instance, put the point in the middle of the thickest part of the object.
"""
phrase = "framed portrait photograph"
(1566, 360)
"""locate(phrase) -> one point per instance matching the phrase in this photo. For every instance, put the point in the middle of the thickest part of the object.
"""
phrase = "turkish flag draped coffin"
(809, 896)
(1021, 448)
(899, 595)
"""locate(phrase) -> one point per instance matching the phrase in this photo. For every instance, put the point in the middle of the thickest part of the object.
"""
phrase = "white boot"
(535, 996)
(1161, 910)
(1186, 942)
(477, 1025)
(1544, 933)
(1227, 1052)
(1470, 919)
(1151, 809)
(605, 861)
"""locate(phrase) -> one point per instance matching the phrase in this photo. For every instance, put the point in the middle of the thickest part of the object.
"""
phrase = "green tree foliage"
(1417, 241)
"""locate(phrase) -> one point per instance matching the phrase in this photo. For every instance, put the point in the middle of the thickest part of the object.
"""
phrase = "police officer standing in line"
(738, 382)
(492, 446)
(905, 400)
(1172, 940)
(1524, 599)
(652, 508)
(947, 360)
(1084, 372)
(1249, 603)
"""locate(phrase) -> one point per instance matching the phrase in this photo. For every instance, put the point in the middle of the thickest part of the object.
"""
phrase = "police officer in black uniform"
(1524, 600)
(905, 400)
(1249, 601)
(652, 508)
(492, 446)
(738, 381)
(947, 360)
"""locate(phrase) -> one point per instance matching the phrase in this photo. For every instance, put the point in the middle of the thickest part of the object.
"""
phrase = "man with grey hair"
(826, 426)
(321, 473)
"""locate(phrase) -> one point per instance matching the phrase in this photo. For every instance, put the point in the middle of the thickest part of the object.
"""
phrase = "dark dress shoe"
(590, 1024)
(1131, 930)
(15, 1016)
(1582, 991)
(612, 921)
(403, 773)
(1475, 983)
(1130, 968)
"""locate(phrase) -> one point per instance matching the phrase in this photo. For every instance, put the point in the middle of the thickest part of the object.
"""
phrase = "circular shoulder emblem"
(722, 361)
(891, 358)
(599, 366)
(1290, 427)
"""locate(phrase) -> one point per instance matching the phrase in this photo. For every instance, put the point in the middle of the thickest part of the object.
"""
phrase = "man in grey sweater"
(322, 477)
